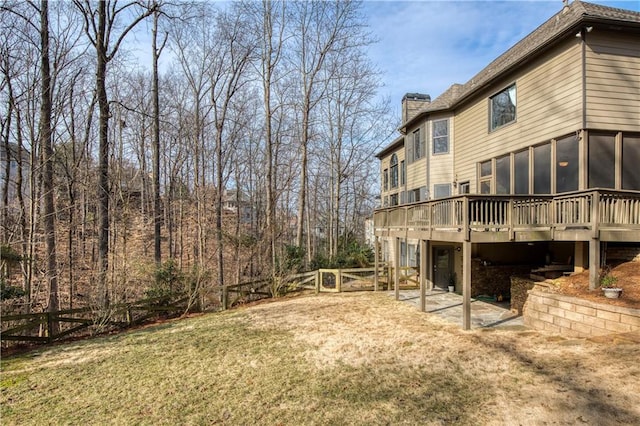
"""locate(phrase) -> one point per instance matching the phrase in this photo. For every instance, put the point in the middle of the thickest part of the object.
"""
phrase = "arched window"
(394, 171)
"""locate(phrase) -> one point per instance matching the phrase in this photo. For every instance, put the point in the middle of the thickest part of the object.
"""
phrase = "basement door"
(442, 266)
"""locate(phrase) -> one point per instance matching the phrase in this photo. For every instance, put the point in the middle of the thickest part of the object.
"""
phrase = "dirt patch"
(532, 377)
(628, 275)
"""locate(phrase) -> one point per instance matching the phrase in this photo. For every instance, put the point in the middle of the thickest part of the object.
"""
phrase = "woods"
(215, 142)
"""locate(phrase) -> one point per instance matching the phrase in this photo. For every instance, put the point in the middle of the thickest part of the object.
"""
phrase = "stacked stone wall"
(520, 287)
(573, 317)
(494, 280)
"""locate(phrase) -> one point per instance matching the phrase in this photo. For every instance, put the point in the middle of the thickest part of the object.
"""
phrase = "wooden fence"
(45, 327)
(322, 280)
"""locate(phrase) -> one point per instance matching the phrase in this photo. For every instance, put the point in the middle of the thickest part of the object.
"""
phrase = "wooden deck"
(593, 216)
(605, 215)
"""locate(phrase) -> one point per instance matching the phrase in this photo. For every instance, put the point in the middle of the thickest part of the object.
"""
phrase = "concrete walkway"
(449, 307)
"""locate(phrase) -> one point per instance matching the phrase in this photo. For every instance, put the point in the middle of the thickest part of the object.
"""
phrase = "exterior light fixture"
(563, 163)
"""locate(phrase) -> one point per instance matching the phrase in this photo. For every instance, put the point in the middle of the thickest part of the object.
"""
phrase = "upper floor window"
(403, 173)
(393, 165)
(386, 179)
(417, 145)
(441, 136)
(502, 108)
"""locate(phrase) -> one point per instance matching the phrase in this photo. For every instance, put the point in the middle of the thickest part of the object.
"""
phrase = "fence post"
(225, 297)
(376, 262)
(49, 327)
(339, 280)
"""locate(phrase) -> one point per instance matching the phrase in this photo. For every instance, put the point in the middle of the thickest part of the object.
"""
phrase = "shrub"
(607, 280)
(10, 292)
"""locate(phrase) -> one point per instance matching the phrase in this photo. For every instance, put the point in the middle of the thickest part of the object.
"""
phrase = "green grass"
(219, 369)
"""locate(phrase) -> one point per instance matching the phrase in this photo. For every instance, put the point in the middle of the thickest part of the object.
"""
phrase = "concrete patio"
(449, 307)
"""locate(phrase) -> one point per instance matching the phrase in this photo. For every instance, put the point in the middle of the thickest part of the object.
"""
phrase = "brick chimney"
(412, 103)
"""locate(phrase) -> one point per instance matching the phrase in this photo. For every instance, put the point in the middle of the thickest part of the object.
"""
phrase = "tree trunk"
(47, 163)
(157, 215)
(103, 157)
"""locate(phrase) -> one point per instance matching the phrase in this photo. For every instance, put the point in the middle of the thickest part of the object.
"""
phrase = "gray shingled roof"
(565, 20)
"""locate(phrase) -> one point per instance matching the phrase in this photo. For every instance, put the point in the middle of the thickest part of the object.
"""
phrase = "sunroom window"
(503, 108)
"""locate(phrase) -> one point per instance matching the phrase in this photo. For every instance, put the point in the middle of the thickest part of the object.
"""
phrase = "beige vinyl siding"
(442, 165)
(613, 81)
(549, 104)
(417, 171)
(417, 174)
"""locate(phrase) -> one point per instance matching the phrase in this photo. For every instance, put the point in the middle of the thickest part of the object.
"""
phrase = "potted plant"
(608, 285)
(453, 279)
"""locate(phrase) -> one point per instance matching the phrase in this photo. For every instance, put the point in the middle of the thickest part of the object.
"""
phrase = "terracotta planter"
(612, 292)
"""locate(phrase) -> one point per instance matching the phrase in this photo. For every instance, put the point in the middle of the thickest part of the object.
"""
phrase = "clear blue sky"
(426, 46)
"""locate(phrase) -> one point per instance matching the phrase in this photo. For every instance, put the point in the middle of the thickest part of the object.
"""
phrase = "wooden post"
(376, 265)
(466, 285)
(338, 274)
(225, 297)
(594, 242)
(424, 270)
(318, 281)
(512, 233)
(396, 267)
(594, 263)
(49, 327)
(430, 274)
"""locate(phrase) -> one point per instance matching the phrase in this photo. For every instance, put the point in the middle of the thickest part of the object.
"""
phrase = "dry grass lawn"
(354, 358)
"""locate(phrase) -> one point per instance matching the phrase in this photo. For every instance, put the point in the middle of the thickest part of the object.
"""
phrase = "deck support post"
(466, 285)
(594, 263)
(396, 267)
(424, 271)
(594, 243)
(376, 264)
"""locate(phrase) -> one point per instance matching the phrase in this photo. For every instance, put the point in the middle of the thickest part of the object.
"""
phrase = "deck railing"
(583, 210)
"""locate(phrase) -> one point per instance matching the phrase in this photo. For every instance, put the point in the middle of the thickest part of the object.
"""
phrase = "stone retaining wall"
(494, 280)
(573, 317)
(520, 287)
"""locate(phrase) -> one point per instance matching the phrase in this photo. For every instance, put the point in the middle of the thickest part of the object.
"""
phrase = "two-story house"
(534, 161)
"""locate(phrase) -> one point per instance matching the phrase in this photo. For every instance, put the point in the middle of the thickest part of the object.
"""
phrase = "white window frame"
(439, 137)
(509, 94)
(417, 145)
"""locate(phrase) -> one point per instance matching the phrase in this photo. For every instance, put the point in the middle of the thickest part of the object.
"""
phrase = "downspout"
(427, 153)
(583, 36)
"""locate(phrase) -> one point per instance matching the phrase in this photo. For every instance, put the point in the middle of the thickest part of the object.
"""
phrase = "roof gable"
(557, 27)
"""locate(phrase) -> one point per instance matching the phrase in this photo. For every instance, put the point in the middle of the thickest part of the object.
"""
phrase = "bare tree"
(321, 28)
(100, 24)
(269, 25)
(231, 58)
(156, 51)
(47, 162)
